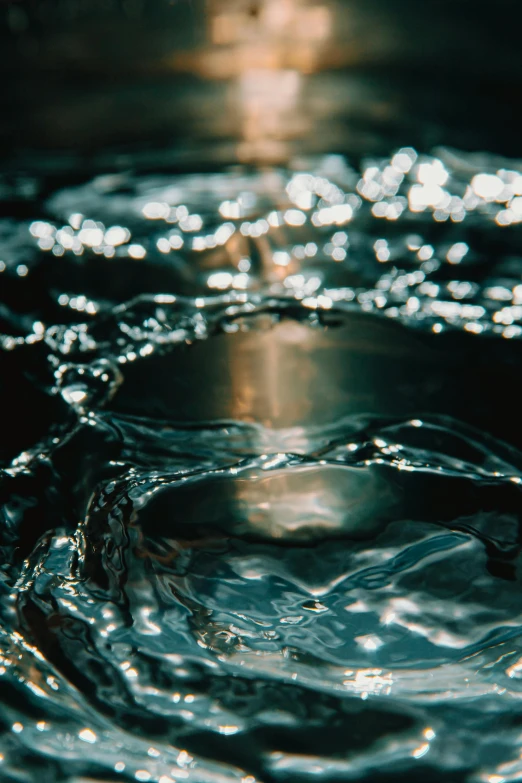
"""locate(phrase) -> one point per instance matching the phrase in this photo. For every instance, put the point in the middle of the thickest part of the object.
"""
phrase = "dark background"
(84, 76)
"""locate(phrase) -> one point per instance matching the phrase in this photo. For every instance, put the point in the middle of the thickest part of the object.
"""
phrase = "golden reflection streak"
(264, 49)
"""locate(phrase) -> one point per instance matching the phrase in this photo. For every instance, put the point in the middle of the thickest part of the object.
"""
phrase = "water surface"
(262, 473)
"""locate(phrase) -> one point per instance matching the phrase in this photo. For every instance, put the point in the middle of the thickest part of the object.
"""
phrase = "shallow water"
(262, 473)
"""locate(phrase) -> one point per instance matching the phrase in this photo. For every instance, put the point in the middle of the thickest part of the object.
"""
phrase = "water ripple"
(261, 509)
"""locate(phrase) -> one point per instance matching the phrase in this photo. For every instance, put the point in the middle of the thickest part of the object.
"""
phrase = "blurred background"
(204, 82)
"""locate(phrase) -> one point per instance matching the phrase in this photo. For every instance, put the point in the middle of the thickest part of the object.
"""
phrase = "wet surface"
(260, 387)
(261, 485)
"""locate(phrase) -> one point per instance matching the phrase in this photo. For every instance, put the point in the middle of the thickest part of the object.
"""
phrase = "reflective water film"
(262, 474)
(260, 391)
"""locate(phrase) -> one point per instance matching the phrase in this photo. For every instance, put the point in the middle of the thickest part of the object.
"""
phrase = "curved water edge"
(261, 508)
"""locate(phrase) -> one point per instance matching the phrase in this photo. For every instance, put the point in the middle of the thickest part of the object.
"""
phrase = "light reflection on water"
(267, 475)
(405, 237)
(261, 499)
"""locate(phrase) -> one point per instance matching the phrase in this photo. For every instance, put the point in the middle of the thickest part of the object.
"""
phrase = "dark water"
(262, 474)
